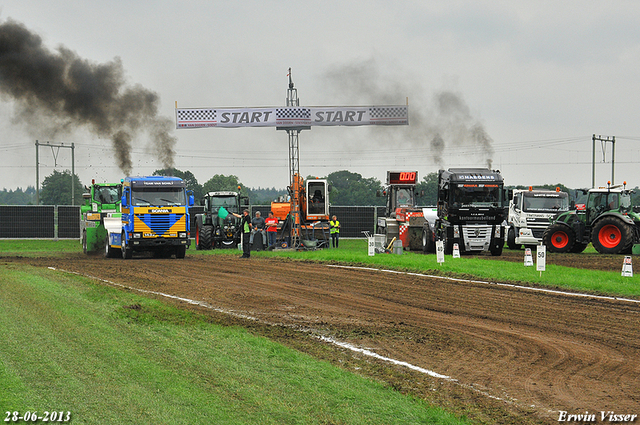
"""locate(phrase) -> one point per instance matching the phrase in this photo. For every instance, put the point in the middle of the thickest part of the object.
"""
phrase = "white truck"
(529, 214)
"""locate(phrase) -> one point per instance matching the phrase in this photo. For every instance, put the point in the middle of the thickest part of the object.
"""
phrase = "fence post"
(55, 222)
(375, 220)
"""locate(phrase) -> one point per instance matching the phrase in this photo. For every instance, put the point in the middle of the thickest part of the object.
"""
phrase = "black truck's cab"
(471, 209)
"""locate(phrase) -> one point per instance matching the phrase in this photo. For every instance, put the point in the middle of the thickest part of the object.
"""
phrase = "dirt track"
(513, 355)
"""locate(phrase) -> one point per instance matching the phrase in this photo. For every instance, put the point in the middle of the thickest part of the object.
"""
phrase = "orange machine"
(311, 220)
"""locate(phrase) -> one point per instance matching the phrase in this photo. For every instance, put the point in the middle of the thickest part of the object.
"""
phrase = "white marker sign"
(542, 258)
(440, 251)
(456, 251)
(627, 268)
(528, 258)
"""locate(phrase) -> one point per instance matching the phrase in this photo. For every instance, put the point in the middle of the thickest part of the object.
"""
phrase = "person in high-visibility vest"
(335, 231)
(245, 222)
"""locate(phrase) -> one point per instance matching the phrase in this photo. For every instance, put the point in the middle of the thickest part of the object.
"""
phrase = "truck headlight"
(137, 235)
(182, 234)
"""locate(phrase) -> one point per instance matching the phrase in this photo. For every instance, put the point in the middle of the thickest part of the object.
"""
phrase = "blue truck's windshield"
(153, 196)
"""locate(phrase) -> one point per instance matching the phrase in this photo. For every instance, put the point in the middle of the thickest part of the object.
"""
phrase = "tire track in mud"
(548, 350)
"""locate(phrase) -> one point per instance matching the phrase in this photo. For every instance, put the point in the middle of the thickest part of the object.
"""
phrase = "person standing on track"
(245, 222)
(335, 231)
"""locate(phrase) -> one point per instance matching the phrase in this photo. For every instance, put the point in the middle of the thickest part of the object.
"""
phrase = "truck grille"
(477, 237)
(161, 223)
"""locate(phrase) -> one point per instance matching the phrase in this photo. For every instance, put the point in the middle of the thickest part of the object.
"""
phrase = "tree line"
(347, 189)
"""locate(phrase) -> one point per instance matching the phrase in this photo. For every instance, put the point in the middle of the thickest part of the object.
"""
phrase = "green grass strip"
(109, 356)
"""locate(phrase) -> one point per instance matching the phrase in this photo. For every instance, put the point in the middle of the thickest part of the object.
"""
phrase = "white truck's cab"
(529, 214)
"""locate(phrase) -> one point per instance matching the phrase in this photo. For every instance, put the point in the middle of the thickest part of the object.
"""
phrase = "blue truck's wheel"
(126, 251)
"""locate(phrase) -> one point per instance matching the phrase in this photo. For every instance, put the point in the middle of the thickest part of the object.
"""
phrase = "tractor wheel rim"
(198, 238)
(610, 236)
(560, 239)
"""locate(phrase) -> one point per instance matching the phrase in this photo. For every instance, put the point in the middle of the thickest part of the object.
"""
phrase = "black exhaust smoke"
(435, 125)
(59, 92)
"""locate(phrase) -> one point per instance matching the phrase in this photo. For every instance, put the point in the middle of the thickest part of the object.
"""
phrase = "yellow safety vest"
(334, 226)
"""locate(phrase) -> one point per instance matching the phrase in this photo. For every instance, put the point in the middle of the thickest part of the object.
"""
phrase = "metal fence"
(39, 222)
(63, 222)
(353, 220)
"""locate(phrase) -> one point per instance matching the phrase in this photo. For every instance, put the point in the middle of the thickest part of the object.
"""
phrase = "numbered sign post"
(456, 251)
(528, 258)
(440, 252)
(627, 268)
(372, 246)
(541, 261)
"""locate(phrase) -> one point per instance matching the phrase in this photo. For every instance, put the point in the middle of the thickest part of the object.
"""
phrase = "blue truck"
(155, 217)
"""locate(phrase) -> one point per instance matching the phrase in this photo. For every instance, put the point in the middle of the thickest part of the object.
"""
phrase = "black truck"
(472, 206)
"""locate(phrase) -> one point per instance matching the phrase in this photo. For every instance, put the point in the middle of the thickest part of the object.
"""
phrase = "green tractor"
(217, 227)
(100, 213)
(607, 220)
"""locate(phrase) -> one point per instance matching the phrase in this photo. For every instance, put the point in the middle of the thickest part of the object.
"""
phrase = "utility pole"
(55, 158)
(602, 139)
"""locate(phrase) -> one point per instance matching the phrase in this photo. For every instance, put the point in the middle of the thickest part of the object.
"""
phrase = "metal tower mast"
(294, 164)
(293, 119)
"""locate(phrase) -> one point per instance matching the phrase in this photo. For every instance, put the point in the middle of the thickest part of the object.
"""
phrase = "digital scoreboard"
(402, 177)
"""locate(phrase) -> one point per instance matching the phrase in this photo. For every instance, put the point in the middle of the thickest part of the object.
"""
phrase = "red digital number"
(408, 177)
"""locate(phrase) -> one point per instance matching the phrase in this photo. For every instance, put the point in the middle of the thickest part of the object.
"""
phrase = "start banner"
(292, 116)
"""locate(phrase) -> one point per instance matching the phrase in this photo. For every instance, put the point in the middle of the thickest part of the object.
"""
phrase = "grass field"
(109, 356)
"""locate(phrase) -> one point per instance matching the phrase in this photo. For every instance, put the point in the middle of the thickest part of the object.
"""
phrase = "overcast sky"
(540, 78)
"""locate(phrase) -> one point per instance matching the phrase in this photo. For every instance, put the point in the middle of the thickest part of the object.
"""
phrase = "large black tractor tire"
(428, 246)
(610, 235)
(559, 238)
(511, 239)
(204, 237)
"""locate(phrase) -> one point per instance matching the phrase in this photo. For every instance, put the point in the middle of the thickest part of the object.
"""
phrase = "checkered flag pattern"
(293, 113)
(196, 114)
(388, 112)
